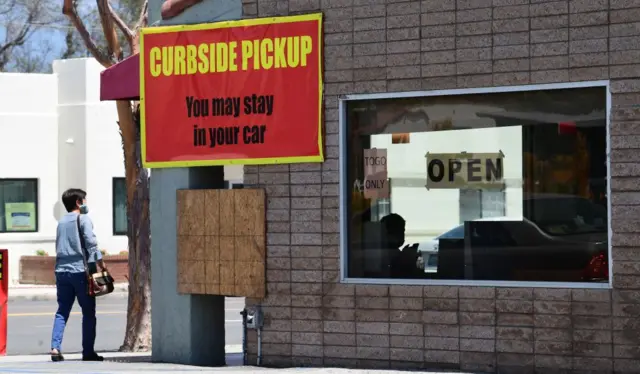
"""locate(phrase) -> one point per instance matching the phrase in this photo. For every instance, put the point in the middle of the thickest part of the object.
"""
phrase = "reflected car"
(560, 237)
(429, 250)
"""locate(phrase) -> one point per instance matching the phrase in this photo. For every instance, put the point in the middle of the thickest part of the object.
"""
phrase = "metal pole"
(259, 361)
(244, 336)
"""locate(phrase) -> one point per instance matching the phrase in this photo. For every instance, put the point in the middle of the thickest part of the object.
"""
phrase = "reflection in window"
(477, 203)
(119, 206)
(504, 186)
(18, 205)
(380, 208)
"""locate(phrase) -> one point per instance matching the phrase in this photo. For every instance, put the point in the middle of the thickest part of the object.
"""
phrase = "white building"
(56, 134)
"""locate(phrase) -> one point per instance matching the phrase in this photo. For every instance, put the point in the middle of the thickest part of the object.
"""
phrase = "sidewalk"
(28, 292)
(116, 362)
(135, 363)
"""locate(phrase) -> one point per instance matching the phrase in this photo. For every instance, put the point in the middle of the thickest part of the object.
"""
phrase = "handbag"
(99, 283)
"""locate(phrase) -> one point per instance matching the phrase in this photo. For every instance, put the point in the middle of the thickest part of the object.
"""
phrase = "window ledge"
(25, 238)
(472, 283)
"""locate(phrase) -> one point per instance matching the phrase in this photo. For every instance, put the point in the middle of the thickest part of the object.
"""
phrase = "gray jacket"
(68, 249)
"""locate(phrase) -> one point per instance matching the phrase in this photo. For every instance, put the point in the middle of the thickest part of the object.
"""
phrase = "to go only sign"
(376, 183)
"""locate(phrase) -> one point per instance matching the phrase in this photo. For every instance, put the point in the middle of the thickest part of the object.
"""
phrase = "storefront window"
(508, 186)
(119, 196)
(18, 205)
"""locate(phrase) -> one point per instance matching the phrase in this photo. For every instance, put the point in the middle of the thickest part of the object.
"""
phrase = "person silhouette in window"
(401, 263)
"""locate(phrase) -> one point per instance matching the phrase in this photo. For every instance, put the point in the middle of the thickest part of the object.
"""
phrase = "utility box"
(255, 318)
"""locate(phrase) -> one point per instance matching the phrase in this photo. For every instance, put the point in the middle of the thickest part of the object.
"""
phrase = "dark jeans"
(69, 286)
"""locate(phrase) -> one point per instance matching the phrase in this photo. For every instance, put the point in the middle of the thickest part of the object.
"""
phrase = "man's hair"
(393, 223)
(71, 196)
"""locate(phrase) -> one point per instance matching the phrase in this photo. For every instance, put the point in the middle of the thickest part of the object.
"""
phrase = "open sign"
(465, 170)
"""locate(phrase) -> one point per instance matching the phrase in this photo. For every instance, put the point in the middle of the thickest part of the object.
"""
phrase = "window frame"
(345, 189)
(37, 205)
(115, 232)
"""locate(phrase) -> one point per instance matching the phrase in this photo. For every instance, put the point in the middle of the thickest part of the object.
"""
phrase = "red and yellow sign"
(4, 297)
(237, 92)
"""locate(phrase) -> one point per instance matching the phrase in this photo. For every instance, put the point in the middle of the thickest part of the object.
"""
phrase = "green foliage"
(41, 252)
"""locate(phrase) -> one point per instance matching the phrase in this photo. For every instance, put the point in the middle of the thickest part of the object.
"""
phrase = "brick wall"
(396, 45)
(40, 269)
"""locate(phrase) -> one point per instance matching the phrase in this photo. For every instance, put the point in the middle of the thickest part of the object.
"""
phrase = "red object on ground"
(4, 296)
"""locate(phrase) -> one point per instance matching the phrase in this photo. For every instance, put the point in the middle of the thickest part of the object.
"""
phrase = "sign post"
(4, 296)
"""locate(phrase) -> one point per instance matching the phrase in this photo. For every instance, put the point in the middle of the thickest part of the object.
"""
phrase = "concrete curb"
(48, 293)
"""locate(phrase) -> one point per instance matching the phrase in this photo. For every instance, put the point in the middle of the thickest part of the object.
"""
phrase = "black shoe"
(92, 357)
(57, 357)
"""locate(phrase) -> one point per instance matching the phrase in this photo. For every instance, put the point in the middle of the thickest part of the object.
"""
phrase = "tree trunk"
(138, 330)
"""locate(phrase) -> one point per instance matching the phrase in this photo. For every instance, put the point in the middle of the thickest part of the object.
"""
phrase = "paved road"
(30, 323)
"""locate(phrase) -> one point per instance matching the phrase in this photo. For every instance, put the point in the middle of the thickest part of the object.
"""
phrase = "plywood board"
(221, 242)
(190, 212)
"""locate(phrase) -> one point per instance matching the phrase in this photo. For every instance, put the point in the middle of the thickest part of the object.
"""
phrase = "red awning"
(121, 81)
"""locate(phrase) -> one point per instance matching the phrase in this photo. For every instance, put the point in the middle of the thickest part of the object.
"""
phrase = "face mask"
(84, 209)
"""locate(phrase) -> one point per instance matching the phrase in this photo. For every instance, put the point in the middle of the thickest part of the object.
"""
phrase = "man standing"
(75, 240)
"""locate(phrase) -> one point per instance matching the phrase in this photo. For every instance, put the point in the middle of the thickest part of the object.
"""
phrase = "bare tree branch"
(113, 44)
(19, 20)
(17, 38)
(6, 8)
(32, 58)
(124, 28)
(142, 22)
(69, 10)
(73, 45)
